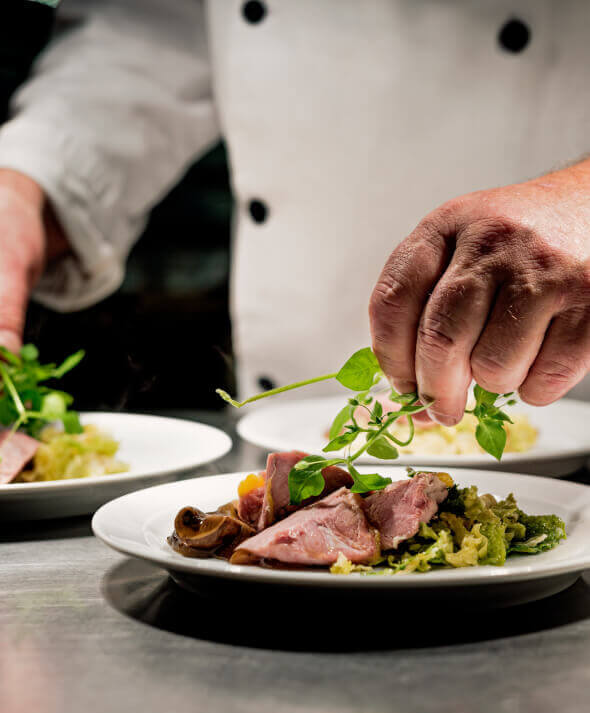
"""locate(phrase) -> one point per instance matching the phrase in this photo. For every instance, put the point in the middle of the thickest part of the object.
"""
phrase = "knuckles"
(549, 379)
(489, 371)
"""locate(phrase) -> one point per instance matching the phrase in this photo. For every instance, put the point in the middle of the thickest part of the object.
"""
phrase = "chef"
(422, 135)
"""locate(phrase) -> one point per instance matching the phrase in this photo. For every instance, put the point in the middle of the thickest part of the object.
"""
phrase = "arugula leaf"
(381, 448)
(360, 370)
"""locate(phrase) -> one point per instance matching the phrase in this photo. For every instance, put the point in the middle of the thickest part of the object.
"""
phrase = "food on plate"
(16, 450)
(431, 438)
(200, 534)
(320, 511)
(414, 525)
(378, 432)
(61, 456)
(32, 447)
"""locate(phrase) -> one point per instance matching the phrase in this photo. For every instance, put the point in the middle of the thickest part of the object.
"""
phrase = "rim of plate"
(468, 576)
(74, 483)
(243, 429)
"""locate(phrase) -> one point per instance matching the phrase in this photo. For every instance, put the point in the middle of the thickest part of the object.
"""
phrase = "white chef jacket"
(346, 123)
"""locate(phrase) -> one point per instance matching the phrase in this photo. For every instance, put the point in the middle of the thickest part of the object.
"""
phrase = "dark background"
(163, 340)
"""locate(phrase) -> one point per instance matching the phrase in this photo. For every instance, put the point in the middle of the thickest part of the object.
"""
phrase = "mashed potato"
(64, 455)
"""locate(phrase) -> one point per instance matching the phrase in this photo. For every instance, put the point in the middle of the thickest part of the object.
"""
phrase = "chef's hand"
(493, 286)
(29, 234)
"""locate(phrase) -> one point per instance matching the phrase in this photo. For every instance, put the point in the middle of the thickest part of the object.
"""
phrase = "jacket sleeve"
(117, 108)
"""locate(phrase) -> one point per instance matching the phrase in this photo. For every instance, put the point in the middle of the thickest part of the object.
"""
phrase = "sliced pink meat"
(250, 504)
(16, 450)
(314, 535)
(275, 504)
(397, 510)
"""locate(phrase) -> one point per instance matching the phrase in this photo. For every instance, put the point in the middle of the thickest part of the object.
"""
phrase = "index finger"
(400, 295)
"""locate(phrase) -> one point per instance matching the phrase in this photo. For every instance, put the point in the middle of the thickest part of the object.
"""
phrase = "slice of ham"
(16, 450)
(397, 510)
(275, 502)
(314, 535)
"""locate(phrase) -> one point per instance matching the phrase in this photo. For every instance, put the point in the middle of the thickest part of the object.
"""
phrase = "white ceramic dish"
(138, 524)
(562, 447)
(157, 449)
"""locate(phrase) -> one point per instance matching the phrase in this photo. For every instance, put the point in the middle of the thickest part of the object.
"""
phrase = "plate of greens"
(374, 423)
(55, 462)
(524, 554)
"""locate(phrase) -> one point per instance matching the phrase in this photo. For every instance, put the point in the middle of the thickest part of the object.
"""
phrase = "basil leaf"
(491, 436)
(381, 448)
(305, 483)
(360, 370)
(340, 442)
(366, 482)
(338, 423)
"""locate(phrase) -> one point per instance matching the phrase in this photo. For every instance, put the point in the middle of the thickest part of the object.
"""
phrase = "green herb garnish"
(360, 373)
(26, 402)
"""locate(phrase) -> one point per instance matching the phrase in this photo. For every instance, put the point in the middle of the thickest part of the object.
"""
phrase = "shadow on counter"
(51, 529)
(148, 595)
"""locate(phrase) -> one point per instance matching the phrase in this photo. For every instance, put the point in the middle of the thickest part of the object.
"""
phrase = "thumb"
(14, 295)
(10, 339)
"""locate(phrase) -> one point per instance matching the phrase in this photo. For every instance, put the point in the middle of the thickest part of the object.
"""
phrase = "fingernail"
(443, 419)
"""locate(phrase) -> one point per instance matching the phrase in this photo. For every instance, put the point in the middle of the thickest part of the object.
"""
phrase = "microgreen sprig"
(360, 373)
(28, 403)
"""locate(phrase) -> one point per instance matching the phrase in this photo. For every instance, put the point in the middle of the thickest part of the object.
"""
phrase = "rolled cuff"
(74, 180)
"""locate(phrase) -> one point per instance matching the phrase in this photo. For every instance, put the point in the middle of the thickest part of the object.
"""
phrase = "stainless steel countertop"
(83, 628)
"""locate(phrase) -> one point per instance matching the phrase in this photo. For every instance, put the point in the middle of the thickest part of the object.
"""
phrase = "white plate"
(138, 524)
(562, 447)
(156, 449)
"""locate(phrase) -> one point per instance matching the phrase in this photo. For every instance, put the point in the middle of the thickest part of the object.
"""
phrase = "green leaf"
(484, 397)
(29, 352)
(305, 483)
(360, 370)
(491, 436)
(340, 442)
(366, 482)
(381, 448)
(377, 411)
(71, 422)
(338, 423)
(69, 363)
(304, 463)
(53, 406)
(9, 356)
(499, 415)
(403, 399)
(413, 408)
